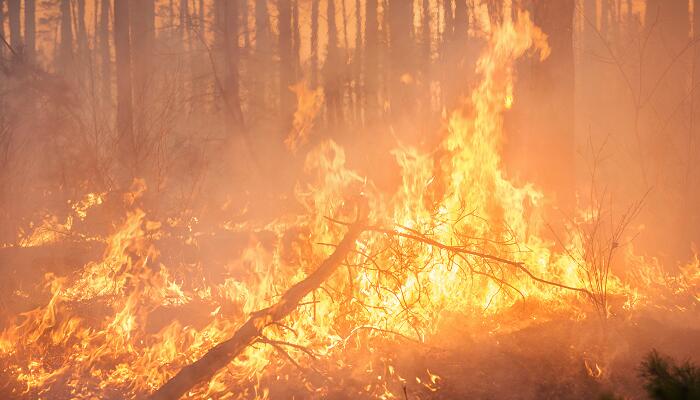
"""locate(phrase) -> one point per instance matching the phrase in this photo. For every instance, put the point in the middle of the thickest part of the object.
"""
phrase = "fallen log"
(204, 369)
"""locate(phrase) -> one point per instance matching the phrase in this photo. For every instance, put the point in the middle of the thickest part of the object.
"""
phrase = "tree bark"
(371, 60)
(122, 45)
(105, 63)
(234, 114)
(286, 67)
(143, 38)
(402, 91)
(65, 55)
(29, 29)
(314, 43)
(333, 71)
(13, 11)
(222, 354)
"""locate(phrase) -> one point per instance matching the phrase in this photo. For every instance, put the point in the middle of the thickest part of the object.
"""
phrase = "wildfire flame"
(95, 335)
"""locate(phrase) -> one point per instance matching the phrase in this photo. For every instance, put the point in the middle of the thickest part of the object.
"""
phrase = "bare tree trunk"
(29, 29)
(234, 113)
(333, 71)
(314, 43)
(122, 46)
(371, 60)
(296, 40)
(2, 25)
(65, 55)
(143, 38)
(402, 92)
(106, 63)
(263, 47)
(286, 67)
(13, 11)
(82, 32)
(359, 99)
(427, 54)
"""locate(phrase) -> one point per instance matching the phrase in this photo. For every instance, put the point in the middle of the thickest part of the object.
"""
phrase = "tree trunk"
(122, 46)
(106, 63)
(65, 56)
(2, 25)
(263, 47)
(402, 91)
(359, 99)
(333, 71)
(371, 60)
(286, 67)
(234, 114)
(29, 29)
(13, 11)
(143, 33)
(82, 32)
(314, 44)
(296, 40)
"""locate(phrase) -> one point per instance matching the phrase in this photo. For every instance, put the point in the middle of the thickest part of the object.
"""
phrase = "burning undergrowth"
(445, 288)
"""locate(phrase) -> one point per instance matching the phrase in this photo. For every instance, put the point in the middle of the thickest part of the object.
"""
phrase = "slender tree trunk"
(359, 99)
(332, 70)
(263, 47)
(427, 53)
(296, 40)
(371, 60)
(234, 112)
(143, 38)
(82, 32)
(402, 91)
(122, 46)
(2, 25)
(106, 63)
(286, 56)
(314, 43)
(13, 11)
(29, 29)
(65, 56)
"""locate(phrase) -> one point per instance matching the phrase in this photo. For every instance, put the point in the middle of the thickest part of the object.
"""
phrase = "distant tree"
(314, 43)
(371, 61)
(122, 46)
(65, 52)
(403, 71)
(286, 65)
(296, 39)
(143, 39)
(333, 70)
(13, 11)
(2, 25)
(81, 31)
(234, 119)
(104, 49)
(263, 47)
(29, 29)
(357, 70)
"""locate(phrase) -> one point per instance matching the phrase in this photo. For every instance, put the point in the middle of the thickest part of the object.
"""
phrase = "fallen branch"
(204, 369)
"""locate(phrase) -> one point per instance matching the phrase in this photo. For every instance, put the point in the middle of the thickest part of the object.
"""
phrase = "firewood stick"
(204, 369)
